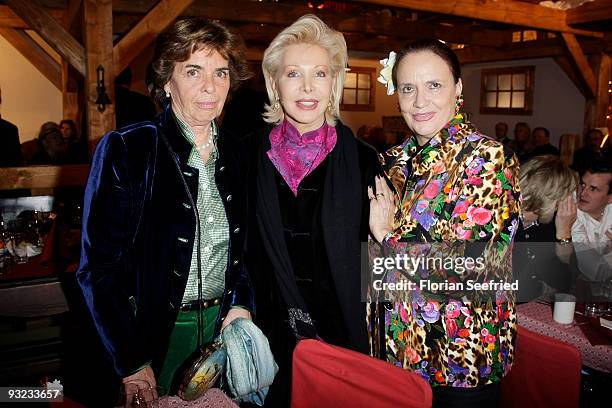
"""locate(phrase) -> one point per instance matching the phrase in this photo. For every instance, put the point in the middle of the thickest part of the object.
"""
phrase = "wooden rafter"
(281, 15)
(579, 58)
(34, 53)
(500, 11)
(51, 31)
(604, 74)
(141, 35)
(526, 50)
(596, 11)
(71, 13)
(70, 90)
(9, 19)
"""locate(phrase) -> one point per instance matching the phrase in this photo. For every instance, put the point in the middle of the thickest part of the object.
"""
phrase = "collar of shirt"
(190, 136)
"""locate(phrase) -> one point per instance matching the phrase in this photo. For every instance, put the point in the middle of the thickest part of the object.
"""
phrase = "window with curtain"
(359, 88)
(507, 90)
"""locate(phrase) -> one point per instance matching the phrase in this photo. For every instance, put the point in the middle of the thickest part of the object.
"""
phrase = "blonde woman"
(311, 199)
(545, 232)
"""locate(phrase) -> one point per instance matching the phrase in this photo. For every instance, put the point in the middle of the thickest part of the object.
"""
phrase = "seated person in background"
(522, 142)
(569, 143)
(540, 140)
(591, 150)
(501, 134)
(594, 220)
(52, 148)
(10, 152)
(543, 238)
(77, 146)
(131, 107)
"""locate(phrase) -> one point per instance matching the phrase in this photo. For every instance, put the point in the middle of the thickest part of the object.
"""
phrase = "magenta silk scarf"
(295, 156)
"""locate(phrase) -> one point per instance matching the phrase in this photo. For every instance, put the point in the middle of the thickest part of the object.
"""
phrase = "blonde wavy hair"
(308, 29)
(544, 181)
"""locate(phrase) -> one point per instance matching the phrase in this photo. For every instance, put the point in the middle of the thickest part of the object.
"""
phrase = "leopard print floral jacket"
(457, 196)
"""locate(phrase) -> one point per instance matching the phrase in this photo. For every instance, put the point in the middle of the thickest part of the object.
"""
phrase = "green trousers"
(184, 341)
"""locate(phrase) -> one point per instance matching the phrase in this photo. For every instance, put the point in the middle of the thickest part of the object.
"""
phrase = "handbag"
(201, 370)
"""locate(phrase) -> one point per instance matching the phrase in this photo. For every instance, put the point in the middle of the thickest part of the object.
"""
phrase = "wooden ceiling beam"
(596, 11)
(98, 34)
(526, 50)
(10, 19)
(34, 53)
(51, 31)
(144, 33)
(282, 15)
(580, 60)
(73, 10)
(501, 11)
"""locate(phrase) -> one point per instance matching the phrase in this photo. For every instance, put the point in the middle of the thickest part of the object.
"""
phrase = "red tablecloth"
(538, 317)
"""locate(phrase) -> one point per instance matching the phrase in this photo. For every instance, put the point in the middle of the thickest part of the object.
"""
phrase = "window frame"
(529, 72)
(371, 107)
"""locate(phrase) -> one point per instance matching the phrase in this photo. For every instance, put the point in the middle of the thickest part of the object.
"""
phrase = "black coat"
(10, 149)
(347, 280)
(138, 237)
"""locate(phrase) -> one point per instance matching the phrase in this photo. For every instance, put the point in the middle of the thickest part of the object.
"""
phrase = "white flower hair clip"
(386, 74)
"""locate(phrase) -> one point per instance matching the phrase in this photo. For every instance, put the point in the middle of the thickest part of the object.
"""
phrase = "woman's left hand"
(565, 218)
(382, 209)
(234, 313)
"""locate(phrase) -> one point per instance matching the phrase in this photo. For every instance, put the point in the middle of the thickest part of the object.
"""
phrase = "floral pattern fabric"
(458, 191)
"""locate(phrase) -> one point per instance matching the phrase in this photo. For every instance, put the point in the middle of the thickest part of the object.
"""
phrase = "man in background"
(130, 106)
(540, 140)
(592, 231)
(591, 150)
(501, 134)
(522, 145)
(10, 149)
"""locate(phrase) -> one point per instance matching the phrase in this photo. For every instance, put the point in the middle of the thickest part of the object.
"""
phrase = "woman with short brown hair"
(164, 214)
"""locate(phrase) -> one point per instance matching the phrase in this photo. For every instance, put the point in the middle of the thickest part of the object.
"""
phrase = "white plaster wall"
(557, 104)
(385, 105)
(28, 98)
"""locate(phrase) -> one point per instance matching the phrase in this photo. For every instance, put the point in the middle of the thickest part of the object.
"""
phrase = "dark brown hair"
(432, 45)
(184, 37)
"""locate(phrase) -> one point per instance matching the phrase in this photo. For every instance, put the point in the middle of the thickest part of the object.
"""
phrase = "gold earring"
(276, 105)
(167, 94)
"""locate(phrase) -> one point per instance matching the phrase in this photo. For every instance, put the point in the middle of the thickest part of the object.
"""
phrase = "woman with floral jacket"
(452, 209)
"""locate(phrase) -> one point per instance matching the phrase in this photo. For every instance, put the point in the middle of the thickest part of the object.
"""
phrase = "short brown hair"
(183, 38)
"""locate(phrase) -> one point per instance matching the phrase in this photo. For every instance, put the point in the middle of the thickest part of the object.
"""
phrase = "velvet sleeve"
(104, 273)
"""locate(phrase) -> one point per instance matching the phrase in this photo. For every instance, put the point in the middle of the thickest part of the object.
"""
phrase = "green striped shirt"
(214, 236)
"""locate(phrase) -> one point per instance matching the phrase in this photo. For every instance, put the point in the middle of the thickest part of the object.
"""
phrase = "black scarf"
(341, 219)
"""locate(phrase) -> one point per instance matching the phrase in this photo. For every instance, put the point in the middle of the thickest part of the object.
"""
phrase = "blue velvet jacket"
(138, 236)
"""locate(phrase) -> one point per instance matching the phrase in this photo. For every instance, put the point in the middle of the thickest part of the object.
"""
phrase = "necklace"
(209, 142)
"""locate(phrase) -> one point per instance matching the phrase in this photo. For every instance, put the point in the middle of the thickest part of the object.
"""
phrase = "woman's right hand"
(382, 209)
(142, 385)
